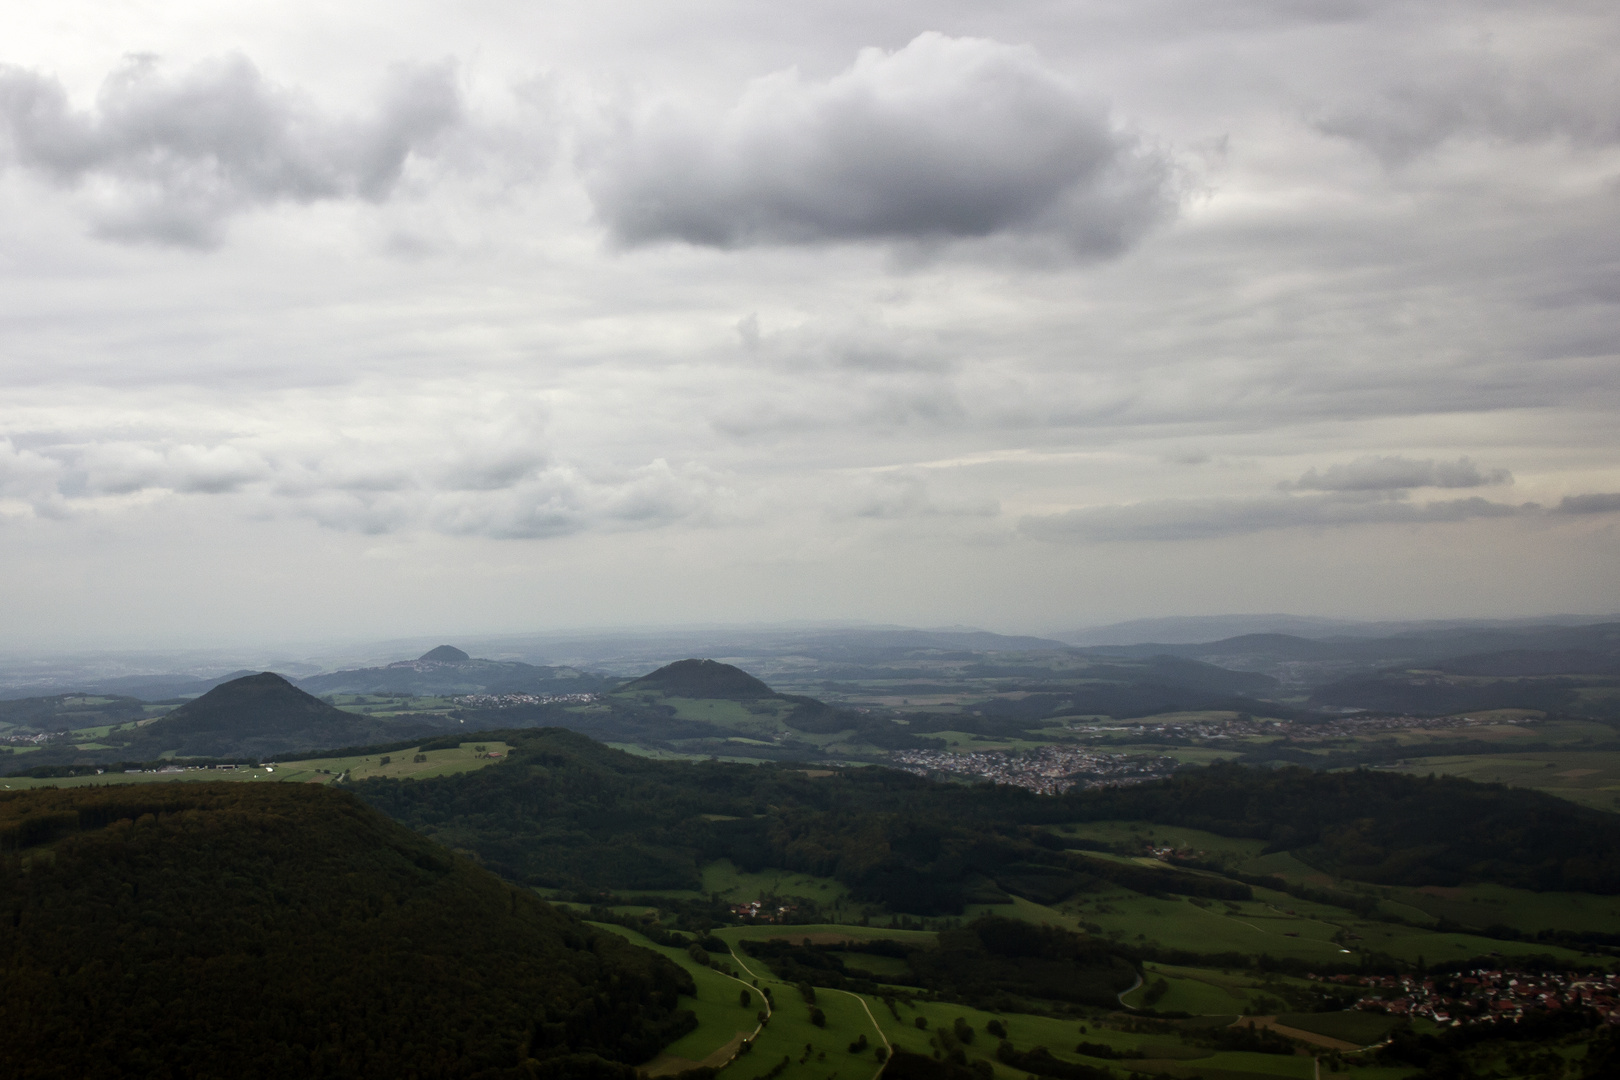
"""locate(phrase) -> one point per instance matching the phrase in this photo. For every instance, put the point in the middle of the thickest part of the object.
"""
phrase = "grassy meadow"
(400, 764)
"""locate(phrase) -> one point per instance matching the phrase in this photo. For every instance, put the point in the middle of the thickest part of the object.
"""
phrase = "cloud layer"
(945, 139)
(1398, 473)
(709, 311)
(170, 158)
(1200, 519)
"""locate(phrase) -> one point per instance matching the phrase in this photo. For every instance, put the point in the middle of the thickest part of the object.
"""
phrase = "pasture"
(400, 764)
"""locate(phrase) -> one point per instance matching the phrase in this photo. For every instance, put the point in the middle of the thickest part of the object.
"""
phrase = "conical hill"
(703, 679)
(264, 715)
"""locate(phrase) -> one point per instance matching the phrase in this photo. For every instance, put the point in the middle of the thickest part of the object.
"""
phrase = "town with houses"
(508, 701)
(1485, 995)
(1047, 770)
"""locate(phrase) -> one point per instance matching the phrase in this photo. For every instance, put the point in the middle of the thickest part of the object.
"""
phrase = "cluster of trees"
(277, 929)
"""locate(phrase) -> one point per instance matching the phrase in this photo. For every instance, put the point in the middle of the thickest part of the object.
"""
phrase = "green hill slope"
(287, 930)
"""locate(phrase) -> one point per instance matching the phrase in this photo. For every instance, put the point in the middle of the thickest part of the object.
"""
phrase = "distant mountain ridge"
(1207, 629)
(448, 671)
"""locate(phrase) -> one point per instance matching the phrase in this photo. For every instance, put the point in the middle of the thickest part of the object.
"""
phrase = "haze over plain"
(393, 320)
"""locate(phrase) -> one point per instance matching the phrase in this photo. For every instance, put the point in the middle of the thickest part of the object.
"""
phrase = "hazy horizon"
(348, 324)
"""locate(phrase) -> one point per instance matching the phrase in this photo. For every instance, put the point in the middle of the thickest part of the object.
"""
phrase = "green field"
(1194, 990)
(721, 1016)
(1485, 905)
(739, 886)
(789, 1030)
(1591, 778)
(464, 758)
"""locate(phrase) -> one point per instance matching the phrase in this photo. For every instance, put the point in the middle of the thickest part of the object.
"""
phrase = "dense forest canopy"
(257, 930)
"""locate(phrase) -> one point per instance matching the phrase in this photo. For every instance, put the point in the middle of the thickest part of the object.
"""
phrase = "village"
(1485, 995)
(1048, 770)
(508, 701)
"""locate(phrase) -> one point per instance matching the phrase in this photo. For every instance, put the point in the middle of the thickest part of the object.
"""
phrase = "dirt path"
(887, 1046)
(1133, 986)
(1311, 1037)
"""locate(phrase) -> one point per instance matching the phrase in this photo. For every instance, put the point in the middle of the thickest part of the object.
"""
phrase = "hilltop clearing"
(288, 930)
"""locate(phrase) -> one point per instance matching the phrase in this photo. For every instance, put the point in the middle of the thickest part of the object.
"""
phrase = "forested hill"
(564, 811)
(703, 679)
(262, 715)
(258, 930)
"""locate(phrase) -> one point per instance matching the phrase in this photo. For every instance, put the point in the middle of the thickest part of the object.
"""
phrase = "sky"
(387, 319)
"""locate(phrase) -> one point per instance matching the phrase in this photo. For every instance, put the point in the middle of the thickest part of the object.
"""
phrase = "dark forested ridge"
(256, 930)
(567, 812)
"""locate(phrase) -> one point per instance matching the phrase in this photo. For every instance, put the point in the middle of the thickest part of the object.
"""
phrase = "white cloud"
(945, 139)
(170, 158)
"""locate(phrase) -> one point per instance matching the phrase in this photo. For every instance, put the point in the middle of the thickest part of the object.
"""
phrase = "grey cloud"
(121, 468)
(1595, 503)
(1484, 96)
(177, 156)
(1196, 519)
(1398, 473)
(553, 502)
(899, 495)
(942, 140)
(501, 491)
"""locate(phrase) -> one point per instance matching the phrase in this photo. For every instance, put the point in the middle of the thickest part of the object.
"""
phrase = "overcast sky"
(379, 319)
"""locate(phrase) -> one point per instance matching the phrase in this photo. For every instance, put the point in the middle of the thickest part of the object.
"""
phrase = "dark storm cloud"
(1398, 473)
(181, 154)
(945, 139)
(1198, 519)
